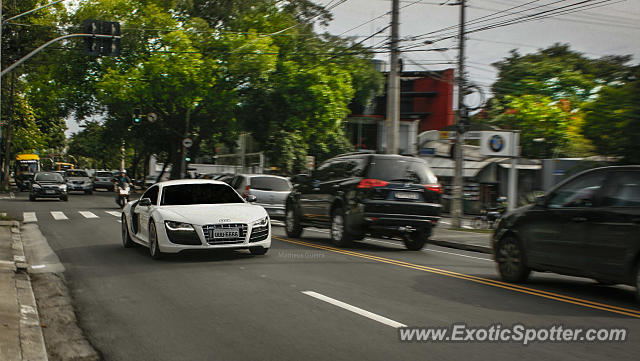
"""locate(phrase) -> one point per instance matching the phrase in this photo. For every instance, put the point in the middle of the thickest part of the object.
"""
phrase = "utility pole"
(1, 123)
(458, 179)
(393, 86)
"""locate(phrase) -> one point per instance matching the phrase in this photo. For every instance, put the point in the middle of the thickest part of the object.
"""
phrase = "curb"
(463, 246)
(31, 337)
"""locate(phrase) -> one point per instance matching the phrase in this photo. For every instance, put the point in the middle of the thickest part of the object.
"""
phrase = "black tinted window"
(401, 170)
(152, 193)
(623, 190)
(270, 184)
(199, 194)
(580, 192)
(48, 177)
(76, 173)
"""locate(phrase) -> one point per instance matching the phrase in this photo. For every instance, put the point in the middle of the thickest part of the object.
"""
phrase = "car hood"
(201, 214)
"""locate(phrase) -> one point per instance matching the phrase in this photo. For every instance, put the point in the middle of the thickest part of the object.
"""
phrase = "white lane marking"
(29, 217)
(355, 309)
(458, 254)
(87, 214)
(38, 266)
(114, 213)
(58, 216)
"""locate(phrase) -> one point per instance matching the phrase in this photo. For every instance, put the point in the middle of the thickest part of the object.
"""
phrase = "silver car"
(270, 191)
(103, 179)
(78, 180)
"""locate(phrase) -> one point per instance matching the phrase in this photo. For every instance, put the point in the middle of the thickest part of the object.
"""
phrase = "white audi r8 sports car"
(184, 214)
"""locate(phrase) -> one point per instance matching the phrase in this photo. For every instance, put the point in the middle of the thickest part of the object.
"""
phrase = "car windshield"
(270, 184)
(76, 173)
(48, 177)
(103, 174)
(199, 194)
(401, 170)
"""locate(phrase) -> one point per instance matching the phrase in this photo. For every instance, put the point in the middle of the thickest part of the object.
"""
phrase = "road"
(306, 300)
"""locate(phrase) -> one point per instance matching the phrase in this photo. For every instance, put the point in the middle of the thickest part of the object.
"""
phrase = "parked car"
(185, 214)
(358, 194)
(103, 179)
(587, 226)
(48, 185)
(271, 191)
(78, 180)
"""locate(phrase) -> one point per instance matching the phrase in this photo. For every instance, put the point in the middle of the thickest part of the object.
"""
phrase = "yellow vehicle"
(25, 167)
(63, 166)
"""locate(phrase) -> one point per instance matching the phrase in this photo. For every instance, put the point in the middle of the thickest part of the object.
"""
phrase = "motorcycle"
(123, 195)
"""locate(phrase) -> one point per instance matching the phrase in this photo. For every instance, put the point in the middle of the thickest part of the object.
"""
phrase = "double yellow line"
(485, 281)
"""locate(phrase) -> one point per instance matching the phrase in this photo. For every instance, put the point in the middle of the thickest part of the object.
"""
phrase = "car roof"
(249, 175)
(189, 181)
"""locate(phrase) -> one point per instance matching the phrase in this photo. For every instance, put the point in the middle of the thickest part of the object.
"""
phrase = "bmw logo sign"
(496, 143)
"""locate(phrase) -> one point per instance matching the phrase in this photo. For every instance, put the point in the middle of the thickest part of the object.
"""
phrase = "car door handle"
(579, 219)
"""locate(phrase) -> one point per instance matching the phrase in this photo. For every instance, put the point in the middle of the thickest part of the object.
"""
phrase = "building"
(426, 103)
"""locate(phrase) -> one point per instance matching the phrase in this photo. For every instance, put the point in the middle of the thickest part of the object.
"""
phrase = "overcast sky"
(610, 27)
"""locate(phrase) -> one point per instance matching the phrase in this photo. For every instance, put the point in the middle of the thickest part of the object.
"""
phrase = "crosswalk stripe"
(87, 214)
(114, 213)
(58, 216)
(29, 217)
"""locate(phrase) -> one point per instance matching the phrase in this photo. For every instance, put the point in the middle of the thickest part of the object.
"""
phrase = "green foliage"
(285, 151)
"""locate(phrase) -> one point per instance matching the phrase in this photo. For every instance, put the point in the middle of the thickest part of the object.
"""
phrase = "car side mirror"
(145, 202)
(541, 201)
(251, 198)
(300, 178)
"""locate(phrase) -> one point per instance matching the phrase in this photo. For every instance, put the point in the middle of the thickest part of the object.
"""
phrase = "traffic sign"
(187, 142)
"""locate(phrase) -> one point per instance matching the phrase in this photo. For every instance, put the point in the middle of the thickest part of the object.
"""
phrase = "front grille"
(209, 228)
(259, 234)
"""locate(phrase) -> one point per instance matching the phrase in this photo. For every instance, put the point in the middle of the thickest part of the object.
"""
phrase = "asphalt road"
(306, 300)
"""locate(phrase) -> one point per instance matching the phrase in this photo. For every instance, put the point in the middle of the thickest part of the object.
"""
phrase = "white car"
(176, 215)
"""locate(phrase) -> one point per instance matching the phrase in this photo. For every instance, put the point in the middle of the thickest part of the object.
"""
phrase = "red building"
(426, 103)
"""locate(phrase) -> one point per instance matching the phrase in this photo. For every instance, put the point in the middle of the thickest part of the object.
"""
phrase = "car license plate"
(226, 233)
(406, 195)
(50, 191)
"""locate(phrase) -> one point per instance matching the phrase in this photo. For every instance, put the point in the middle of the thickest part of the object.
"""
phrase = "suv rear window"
(401, 170)
(270, 184)
(104, 174)
(76, 173)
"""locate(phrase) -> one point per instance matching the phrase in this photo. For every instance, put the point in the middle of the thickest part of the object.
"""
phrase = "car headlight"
(178, 226)
(63, 187)
(36, 185)
(261, 222)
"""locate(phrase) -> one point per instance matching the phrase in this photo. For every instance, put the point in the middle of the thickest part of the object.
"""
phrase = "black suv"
(367, 194)
(587, 226)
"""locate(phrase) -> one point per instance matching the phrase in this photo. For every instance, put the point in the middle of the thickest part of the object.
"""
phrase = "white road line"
(114, 213)
(87, 214)
(58, 216)
(355, 309)
(29, 217)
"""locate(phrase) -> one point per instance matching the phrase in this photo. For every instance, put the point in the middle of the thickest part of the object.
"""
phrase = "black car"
(48, 185)
(356, 195)
(587, 226)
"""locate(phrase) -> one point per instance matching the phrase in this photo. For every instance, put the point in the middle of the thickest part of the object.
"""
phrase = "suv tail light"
(370, 183)
(246, 191)
(434, 187)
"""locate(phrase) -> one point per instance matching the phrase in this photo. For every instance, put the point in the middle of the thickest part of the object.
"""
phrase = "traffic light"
(187, 159)
(92, 44)
(137, 116)
(110, 46)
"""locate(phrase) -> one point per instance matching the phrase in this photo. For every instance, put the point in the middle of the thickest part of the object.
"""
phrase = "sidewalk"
(466, 240)
(20, 330)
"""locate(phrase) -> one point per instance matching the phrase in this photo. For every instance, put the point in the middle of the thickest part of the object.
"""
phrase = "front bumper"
(79, 187)
(47, 193)
(249, 240)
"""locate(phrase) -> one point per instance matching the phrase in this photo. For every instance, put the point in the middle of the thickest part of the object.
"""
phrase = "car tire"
(511, 260)
(258, 251)
(638, 281)
(292, 224)
(127, 242)
(64, 198)
(339, 235)
(416, 241)
(154, 248)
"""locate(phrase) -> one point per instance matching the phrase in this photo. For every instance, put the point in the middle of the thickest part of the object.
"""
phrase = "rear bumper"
(275, 211)
(392, 218)
(79, 187)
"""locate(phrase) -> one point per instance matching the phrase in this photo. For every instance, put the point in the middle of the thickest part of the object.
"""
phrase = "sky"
(609, 27)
